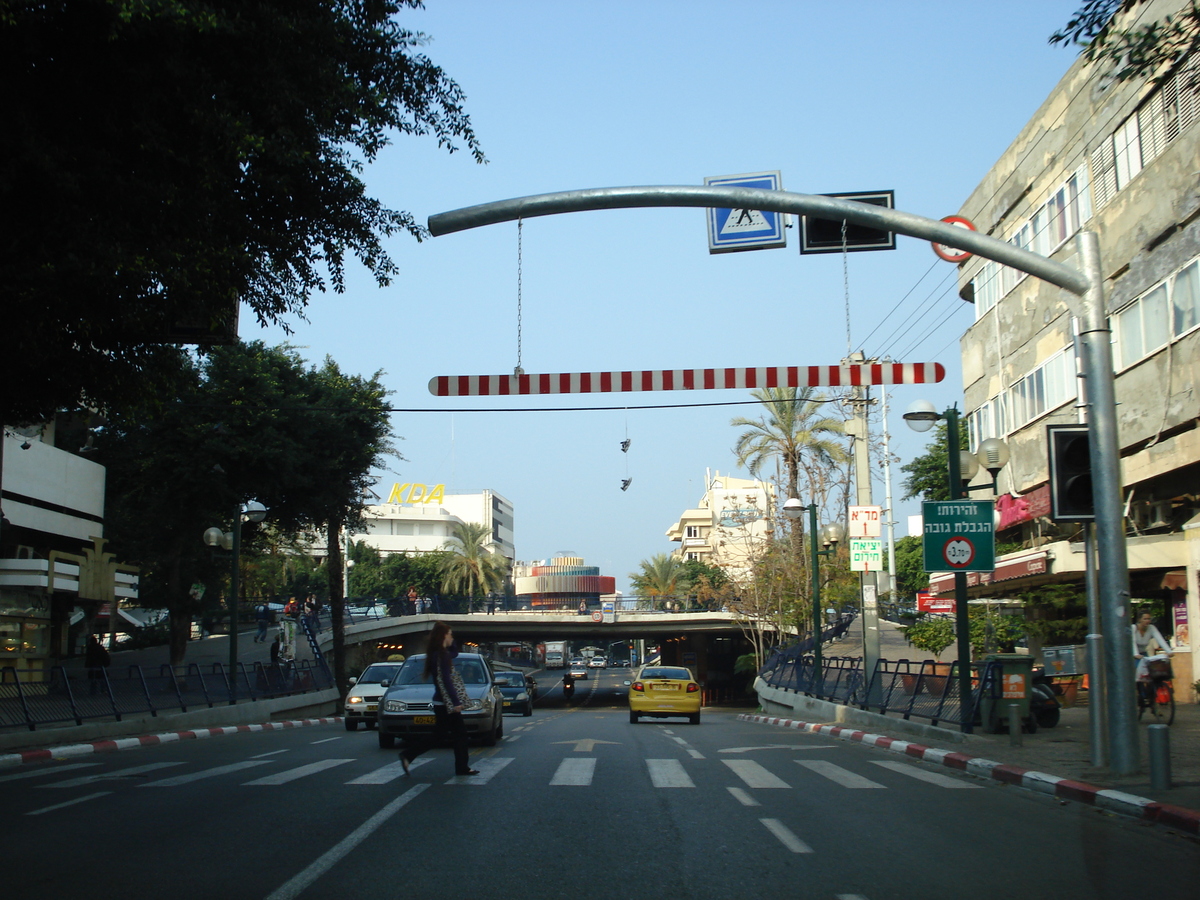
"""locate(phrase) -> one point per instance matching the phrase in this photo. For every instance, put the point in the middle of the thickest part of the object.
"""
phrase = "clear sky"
(917, 97)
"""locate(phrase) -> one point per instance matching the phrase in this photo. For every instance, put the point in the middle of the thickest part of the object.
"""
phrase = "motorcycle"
(1044, 704)
(568, 688)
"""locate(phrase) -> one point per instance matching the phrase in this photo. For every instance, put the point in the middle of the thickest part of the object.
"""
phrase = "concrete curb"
(1177, 817)
(68, 751)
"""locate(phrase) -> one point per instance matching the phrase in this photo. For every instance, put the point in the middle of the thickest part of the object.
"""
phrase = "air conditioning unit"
(1160, 514)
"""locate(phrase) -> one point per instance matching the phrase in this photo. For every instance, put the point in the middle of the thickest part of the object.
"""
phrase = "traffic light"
(1070, 474)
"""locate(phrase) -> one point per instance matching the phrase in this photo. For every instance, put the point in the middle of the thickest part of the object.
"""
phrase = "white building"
(418, 518)
(729, 525)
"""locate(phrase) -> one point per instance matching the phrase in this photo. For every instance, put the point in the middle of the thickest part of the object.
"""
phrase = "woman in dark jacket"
(449, 698)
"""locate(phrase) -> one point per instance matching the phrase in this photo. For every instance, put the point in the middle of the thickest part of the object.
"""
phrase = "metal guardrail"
(72, 695)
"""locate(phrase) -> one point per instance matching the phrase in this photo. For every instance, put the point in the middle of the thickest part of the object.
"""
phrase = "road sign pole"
(962, 622)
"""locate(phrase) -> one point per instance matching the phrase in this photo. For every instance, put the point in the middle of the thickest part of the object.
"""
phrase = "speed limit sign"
(597, 616)
(953, 254)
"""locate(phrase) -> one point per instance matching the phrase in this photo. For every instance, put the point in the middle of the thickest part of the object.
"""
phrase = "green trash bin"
(1011, 684)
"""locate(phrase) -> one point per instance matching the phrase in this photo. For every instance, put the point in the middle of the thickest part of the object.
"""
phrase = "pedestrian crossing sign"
(730, 230)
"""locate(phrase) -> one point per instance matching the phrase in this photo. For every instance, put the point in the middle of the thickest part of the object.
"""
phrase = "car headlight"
(473, 704)
(394, 706)
(354, 700)
(522, 696)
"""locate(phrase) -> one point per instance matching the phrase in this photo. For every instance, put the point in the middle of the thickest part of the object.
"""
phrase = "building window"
(692, 556)
(692, 531)
(1168, 310)
(1046, 388)
(402, 528)
(426, 529)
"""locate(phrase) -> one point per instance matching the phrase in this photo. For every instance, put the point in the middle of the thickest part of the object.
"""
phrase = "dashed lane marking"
(785, 836)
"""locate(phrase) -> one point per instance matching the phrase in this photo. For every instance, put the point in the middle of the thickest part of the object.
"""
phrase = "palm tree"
(469, 567)
(794, 432)
(659, 578)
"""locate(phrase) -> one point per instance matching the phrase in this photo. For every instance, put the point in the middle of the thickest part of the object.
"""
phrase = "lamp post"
(832, 534)
(963, 466)
(251, 511)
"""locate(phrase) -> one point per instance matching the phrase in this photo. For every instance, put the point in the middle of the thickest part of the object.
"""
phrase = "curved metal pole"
(822, 207)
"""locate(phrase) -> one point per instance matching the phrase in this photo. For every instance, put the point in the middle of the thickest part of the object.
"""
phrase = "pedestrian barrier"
(59, 694)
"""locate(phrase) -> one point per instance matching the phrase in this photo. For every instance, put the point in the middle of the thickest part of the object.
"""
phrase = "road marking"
(679, 740)
(785, 836)
(851, 897)
(299, 772)
(331, 857)
(325, 740)
(742, 797)
(119, 773)
(917, 772)
(390, 772)
(37, 773)
(487, 770)
(575, 772)
(272, 753)
(38, 812)
(511, 737)
(779, 747)
(668, 773)
(586, 745)
(837, 774)
(754, 775)
(695, 754)
(206, 773)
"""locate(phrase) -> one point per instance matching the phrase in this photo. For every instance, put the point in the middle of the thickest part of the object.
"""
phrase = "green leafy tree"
(910, 566)
(659, 579)
(928, 475)
(1106, 32)
(468, 567)
(225, 141)
(706, 585)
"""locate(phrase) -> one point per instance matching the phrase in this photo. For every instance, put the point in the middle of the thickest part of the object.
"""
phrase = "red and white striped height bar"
(686, 379)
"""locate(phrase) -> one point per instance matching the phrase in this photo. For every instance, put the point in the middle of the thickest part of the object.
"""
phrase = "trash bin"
(1008, 682)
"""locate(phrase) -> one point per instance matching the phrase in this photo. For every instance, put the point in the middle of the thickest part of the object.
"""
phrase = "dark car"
(516, 694)
(407, 707)
(531, 685)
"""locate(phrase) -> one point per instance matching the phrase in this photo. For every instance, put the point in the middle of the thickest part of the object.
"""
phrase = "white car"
(362, 703)
(598, 662)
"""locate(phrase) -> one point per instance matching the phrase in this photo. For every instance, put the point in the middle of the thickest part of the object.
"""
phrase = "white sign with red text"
(864, 521)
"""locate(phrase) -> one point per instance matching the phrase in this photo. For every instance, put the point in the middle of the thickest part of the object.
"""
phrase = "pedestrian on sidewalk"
(96, 660)
(263, 617)
(449, 698)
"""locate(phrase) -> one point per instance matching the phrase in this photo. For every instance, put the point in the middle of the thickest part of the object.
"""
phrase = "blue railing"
(72, 695)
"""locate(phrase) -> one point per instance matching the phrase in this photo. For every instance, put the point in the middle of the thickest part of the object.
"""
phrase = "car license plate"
(424, 720)
(371, 707)
(666, 687)
(508, 703)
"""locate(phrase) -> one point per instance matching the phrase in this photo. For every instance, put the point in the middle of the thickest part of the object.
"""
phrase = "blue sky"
(917, 97)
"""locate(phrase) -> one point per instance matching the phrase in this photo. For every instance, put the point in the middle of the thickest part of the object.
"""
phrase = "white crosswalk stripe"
(177, 780)
(754, 775)
(299, 772)
(925, 775)
(838, 775)
(668, 773)
(576, 772)
(39, 773)
(388, 773)
(118, 773)
(488, 768)
(785, 836)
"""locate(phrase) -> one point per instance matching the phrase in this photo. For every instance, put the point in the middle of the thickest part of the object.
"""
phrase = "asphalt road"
(574, 802)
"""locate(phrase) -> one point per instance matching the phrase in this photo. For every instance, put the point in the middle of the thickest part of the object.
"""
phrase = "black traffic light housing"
(1070, 474)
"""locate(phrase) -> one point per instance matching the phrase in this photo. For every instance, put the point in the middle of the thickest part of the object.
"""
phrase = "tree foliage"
(247, 422)
(1104, 29)
(170, 159)
(928, 474)
(468, 567)
(659, 579)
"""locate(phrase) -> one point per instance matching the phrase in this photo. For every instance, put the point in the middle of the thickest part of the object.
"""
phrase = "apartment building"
(728, 526)
(418, 518)
(1122, 160)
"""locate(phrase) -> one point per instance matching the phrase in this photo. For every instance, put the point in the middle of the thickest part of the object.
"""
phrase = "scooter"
(1044, 704)
(568, 688)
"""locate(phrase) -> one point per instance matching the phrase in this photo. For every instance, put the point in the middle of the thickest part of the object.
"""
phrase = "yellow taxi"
(661, 691)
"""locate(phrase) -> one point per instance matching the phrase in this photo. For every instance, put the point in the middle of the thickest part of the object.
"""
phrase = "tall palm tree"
(794, 431)
(659, 578)
(469, 567)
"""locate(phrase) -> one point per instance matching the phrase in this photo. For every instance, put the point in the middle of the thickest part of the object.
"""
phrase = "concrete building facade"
(729, 525)
(418, 518)
(1122, 160)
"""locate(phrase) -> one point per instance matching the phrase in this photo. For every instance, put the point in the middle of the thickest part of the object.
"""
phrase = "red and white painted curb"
(69, 751)
(1178, 817)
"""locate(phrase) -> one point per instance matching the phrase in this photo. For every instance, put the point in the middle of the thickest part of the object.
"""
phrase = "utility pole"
(859, 430)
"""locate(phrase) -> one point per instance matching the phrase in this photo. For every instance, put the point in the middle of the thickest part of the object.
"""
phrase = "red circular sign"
(953, 254)
(958, 552)
(597, 616)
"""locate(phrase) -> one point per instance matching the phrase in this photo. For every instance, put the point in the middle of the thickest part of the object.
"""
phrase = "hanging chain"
(846, 286)
(518, 370)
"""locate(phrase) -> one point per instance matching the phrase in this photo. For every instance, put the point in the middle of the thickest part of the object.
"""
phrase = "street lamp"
(250, 511)
(831, 535)
(963, 466)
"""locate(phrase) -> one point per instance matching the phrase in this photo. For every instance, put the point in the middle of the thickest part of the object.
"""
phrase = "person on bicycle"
(1145, 635)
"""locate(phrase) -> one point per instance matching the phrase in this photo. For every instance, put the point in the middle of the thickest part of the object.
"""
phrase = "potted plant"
(933, 634)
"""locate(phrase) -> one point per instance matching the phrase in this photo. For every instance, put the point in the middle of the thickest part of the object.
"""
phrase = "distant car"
(362, 702)
(661, 691)
(515, 692)
(598, 662)
(578, 670)
(407, 706)
(531, 685)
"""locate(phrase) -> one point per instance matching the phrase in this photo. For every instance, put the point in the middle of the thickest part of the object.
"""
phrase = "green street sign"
(960, 535)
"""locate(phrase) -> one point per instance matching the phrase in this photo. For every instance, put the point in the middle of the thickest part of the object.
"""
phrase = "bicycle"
(1158, 694)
